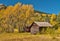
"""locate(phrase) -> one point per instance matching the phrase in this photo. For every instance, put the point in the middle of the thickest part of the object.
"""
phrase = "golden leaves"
(8, 10)
(23, 12)
(43, 14)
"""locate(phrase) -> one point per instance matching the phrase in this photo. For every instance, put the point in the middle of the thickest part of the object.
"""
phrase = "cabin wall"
(34, 29)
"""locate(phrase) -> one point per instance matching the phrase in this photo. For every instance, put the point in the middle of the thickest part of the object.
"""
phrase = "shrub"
(50, 31)
(1, 29)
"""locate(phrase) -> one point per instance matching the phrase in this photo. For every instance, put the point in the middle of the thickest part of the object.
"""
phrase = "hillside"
(40, 12)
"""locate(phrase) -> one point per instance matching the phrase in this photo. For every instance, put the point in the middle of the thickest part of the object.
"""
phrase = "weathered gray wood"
(34, 29)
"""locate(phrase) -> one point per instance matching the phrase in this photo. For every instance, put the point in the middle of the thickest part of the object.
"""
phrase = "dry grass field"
(27, 37)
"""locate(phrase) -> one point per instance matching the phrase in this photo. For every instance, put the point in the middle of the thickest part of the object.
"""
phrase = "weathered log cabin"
(37, 27)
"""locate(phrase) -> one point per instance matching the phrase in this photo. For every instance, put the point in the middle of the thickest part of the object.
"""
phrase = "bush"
(1, 29)
(20, 29)
(9, 30)
(50, 31)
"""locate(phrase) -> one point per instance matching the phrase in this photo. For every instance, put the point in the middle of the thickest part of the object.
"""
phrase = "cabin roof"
(43, 24)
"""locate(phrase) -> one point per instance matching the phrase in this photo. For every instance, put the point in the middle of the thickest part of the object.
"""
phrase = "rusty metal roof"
(43, 24)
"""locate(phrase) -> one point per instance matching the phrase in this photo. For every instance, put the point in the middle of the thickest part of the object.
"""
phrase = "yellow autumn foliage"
(49, 15)
(43, 14)
(8, 10)
(21, 15)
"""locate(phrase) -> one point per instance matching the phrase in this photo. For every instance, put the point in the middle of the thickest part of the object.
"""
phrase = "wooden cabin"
(37, 27)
